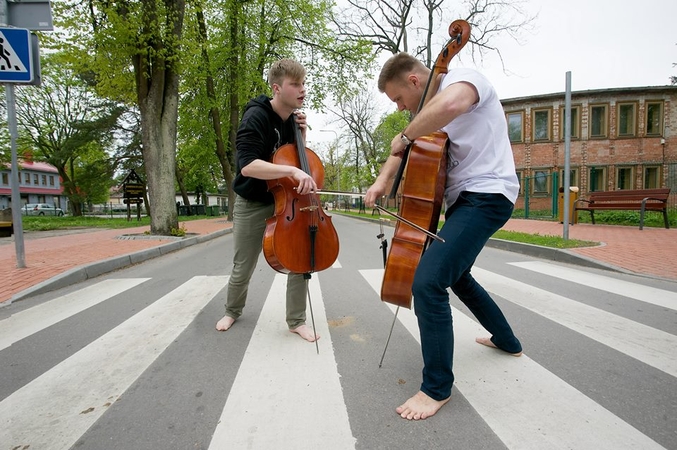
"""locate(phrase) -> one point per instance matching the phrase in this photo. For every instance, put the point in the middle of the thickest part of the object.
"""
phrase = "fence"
(539, 195)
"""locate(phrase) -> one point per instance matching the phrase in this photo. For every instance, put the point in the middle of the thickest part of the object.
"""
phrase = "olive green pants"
(249, 225)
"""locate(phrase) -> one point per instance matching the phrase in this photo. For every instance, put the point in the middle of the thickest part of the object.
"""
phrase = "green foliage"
(390, 125)
(180, 232)
(630, 218)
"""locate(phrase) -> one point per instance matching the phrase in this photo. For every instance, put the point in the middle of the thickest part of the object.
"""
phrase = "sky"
(603, 43)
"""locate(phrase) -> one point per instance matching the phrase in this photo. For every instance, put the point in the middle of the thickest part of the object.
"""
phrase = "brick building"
(621, 138)
(38, 183)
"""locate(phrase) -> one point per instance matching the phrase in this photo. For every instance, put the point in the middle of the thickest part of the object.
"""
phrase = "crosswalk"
(285, 395)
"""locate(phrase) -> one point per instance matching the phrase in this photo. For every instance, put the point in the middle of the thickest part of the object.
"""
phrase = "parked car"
(41, 209)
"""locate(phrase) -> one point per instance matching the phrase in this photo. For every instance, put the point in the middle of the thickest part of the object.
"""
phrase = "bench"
(626, 200)
(6, 227)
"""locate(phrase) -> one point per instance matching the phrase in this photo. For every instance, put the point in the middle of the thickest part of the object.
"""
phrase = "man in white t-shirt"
(480, 192)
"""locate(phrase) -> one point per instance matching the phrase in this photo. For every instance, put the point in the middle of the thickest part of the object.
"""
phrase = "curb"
(537, 251)
(552, 254)
(92, 270)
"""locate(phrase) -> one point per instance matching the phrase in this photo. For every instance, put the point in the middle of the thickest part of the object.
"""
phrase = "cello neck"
(300, 147)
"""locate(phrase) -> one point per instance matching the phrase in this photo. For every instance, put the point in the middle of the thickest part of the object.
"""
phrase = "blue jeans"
(469, 224)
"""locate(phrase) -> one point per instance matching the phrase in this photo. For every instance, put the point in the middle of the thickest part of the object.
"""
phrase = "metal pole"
(567, 157)
(16, 192)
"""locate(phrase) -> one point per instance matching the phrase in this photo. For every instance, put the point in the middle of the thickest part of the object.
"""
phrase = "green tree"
(66, 125)
(133, 51)
(235, 42)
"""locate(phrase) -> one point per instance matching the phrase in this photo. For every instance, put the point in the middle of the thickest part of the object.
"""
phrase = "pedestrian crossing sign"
(15, 56)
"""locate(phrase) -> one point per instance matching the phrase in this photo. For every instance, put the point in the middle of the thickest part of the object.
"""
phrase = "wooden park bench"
(6, 228)
(626, 200)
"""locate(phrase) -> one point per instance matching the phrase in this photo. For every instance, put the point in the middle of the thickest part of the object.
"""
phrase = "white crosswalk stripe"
(38, 318)
(659, 297)
(497, 389)
(54, 410)
(275, 375)
(646, 344)
(521, 401)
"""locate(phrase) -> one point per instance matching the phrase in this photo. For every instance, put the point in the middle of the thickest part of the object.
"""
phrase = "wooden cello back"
(423, 174)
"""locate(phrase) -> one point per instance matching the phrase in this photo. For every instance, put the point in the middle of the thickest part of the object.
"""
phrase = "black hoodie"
(261, 132)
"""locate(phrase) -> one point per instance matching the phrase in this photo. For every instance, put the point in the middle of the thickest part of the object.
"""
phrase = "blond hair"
(285, 68)
(398, 67)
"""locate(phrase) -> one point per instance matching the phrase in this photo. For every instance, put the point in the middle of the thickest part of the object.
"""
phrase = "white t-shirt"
(480, 157)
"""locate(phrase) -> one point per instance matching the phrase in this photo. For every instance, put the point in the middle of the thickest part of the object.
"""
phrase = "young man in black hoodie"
(267, 124)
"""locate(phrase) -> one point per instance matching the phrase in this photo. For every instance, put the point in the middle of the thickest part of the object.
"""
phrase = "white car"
(41, 209)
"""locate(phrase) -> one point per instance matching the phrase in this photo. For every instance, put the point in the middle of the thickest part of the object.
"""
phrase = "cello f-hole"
(293, 210)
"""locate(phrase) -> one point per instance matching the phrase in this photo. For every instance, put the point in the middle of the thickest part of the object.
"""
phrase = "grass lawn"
(45, 223)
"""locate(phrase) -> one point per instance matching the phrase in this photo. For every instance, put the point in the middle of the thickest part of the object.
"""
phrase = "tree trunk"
(157, 89)
(159, 154)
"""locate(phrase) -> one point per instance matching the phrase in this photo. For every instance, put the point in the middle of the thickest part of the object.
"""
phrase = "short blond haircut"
(285, 68)
(398, 67)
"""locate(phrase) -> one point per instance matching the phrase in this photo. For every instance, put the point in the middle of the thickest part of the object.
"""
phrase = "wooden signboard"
(133, 189)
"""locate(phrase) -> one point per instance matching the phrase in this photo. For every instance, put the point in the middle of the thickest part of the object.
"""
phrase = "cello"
(299, 237)
(423, 176)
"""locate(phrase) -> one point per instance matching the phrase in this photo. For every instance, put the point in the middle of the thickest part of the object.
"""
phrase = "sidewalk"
(58, 259)
(651, 251)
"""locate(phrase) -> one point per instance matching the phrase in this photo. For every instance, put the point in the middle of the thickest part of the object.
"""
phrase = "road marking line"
(647, 294)
(57, 408)
(649, 345)
(37, 318)
(284, 391)
(528, 407)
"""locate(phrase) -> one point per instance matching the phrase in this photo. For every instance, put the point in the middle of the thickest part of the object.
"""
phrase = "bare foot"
(420, 407)
(225, 323)
(306, 333)
(488, 343)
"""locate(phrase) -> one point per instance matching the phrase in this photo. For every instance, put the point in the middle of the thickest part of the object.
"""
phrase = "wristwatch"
(405, 140)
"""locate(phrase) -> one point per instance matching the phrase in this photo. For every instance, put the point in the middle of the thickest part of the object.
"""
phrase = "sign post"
(18, 65)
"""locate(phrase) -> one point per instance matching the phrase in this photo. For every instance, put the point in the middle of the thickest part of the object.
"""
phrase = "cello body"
(299, 237)
(423, 175)
(422, 197)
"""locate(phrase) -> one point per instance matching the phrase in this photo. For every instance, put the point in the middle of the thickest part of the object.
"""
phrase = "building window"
(540, 182)
(5, 178)
(573, 177)
(44, 180)
(624, 178)
(515, 126)
(51, 180)
(36, 179)
(27, 178)
(598, 121)
(627, 119)
(575, 122)
(597, 179)
(541, 125)
(652, 178)
(654, 118)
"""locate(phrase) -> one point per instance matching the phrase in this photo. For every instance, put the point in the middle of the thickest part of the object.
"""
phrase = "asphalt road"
(131, 360)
